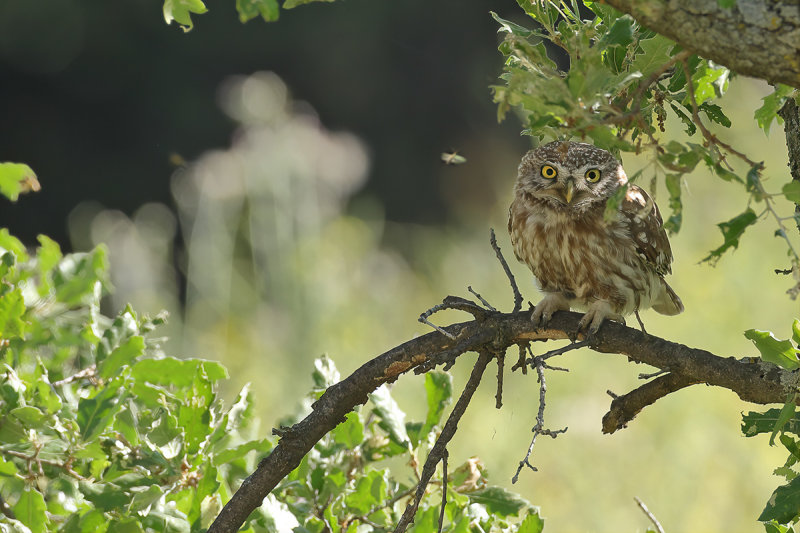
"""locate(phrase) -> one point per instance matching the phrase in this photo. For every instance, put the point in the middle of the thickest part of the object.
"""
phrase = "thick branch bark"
(757, 382)
(759, 38)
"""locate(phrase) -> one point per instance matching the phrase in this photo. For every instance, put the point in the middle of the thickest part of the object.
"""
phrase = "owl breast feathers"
(581, 260)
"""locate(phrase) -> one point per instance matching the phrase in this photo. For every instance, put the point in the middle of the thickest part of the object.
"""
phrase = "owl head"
(570, 175)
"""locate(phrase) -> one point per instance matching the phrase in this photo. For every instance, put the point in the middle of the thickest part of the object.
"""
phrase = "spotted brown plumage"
(581, 260)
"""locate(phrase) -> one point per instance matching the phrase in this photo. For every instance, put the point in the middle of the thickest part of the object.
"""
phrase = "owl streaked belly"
(583, 258)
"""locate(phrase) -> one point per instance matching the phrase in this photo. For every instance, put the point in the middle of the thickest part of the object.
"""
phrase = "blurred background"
(278, 189)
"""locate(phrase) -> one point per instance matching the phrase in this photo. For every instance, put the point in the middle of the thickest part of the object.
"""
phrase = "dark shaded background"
(95, 96)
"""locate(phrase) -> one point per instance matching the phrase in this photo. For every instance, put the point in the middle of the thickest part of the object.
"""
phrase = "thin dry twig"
(89, 372)
(507, 270)
(650, 515)
(436, 308)
(38, 461)
(444, 489)
(539, 428)
(439, 449)
(484, 302)
(558, 351)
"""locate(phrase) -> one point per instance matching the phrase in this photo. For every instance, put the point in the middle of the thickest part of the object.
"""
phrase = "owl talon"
(595, 316)
(544, 310)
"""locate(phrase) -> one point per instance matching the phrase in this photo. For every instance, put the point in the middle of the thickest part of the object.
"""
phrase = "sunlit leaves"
(732, 231)
(783, 353)
(289, 4)
(17, 178)
(250, 9)
(181, 12)
(770, 106)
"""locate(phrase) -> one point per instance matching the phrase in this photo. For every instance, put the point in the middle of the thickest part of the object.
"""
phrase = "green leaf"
(105, 496)
(786, 414)
(796, 331)
(250, 9)
(349, 433)
(620, 33)
(774, 527)
(499, 501)
(655, 52)
(174, 371)
(732, 231)
(121, 356)
(95, 414)
(77, 274)
(756, 423)
(125, 525)
(325, 373)
(712, 82)
(533, 523)
(714, 112)
(263, 446)
(369, 492)
(792, 191)
(179, 11)
(31, 510)
(126, 424)
(770, 106)
(28, 415)
(439, 391)
(784, 503)
(391, 418)
(289, 4)
(12, 308)
(510, 27)
(194, 415)
(16, 178)
(726, 4)
(780, 352)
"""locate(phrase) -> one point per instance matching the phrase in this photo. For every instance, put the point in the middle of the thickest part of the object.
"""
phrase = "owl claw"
(595, 316)
(544, 310)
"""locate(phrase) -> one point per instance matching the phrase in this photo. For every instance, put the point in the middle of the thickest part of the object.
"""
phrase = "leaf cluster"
(783, 507)
(349, 481)
(181, 11)
(101, 431)
(622, 83)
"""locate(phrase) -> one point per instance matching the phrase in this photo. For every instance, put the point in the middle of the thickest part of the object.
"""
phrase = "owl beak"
(569, 191)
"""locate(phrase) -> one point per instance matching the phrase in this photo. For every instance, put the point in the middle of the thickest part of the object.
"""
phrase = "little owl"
(608, 268)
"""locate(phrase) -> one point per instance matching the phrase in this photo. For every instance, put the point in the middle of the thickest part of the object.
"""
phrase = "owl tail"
(668, 303)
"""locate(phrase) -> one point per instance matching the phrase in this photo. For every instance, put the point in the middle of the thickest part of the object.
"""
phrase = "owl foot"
(595, 316)
(544, 310)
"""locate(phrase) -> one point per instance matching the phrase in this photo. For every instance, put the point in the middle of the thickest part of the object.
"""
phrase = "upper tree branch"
(759, 38)
(493, 332)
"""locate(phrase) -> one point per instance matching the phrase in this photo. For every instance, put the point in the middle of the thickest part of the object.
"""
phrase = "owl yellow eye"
(549, 172)
(592, 175)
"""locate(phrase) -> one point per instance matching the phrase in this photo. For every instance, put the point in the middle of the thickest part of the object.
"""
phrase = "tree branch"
(767, 33)
(757, 382)
(624, 408)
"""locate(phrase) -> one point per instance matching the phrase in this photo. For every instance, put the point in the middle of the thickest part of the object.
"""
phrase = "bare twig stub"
(439, 450)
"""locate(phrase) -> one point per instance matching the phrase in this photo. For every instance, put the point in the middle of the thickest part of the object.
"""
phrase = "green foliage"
(345, 482)
(622, 83)
(101, 430)
(783, 507)
(98, 426)
(16, 178)
(181, 11)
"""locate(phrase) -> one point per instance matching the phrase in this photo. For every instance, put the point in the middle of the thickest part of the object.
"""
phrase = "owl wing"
(639, 213)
